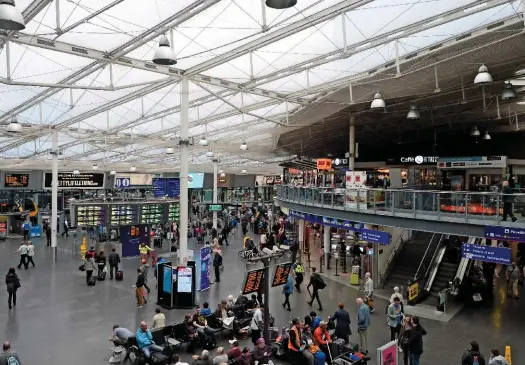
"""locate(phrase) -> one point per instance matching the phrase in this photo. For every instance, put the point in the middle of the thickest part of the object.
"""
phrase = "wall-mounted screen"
(196, 180)
(16, 180)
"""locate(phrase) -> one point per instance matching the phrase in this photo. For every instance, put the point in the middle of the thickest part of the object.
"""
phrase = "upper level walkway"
(463, 213)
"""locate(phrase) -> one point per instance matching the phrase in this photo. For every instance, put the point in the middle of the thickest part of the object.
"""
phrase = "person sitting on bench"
(201, 326)
(145, 341)
(120, 335)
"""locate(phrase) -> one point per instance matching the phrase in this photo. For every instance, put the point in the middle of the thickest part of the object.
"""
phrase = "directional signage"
(497, 255)
(505, 233)
(215, 207)
(122, 182)
(375, 236)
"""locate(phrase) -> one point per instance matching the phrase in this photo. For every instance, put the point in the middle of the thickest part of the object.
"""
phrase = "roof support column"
(523, 10)
(351, 156)
(184, 152)
(54, 192)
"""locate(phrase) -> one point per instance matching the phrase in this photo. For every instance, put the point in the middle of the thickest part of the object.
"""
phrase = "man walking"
(114, 260)
(23, 255)
(363, 322)
(508, 199)
(8, 357)
(317, 283)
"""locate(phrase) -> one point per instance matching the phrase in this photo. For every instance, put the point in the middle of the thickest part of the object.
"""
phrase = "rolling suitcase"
(101, 275)
(337, 347)
(354, 279)
(119, 275)
(92, 281)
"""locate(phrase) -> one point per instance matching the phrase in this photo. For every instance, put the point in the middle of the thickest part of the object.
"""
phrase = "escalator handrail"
(439, 253)
(416, 275)
(388, 266)
(464, 267)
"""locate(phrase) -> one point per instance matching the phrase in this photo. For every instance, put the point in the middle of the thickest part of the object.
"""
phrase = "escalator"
(413, 259)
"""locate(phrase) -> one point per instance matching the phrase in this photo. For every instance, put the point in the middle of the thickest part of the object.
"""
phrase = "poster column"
(205, 268)
(300, 224)
(326, 245)
(351, 157)
(54, 192)
(184, 126)
(214, 199)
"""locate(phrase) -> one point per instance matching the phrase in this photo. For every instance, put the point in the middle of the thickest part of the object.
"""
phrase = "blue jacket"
(144, 338)
(288, 287)
(363, 317)
(206, 311)
(315, 322)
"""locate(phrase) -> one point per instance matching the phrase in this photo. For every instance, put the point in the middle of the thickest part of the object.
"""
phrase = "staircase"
(446, 273)
(409, 259)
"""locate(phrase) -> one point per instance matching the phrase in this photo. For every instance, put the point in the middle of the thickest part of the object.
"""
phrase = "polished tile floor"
(59, 320)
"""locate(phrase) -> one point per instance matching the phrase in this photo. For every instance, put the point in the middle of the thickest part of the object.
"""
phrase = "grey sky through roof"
(84, 67)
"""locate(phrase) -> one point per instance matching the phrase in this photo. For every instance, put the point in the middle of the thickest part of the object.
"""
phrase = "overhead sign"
(122, 182)
(166, 187)
(215, 207)
(375, 236)
(413, 160)
(16, 180)
(472, 162)
(324, 164)
(281, 274)
(505, 233)
(76, 181)
(253, 281)
(497, 255)
(340, 162)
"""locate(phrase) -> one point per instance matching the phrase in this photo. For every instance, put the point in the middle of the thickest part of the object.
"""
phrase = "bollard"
(321, 265)
(345, 271)
(309, 262)
(336, 260)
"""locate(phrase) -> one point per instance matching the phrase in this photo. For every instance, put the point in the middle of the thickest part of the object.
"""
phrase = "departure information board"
(281, 274)
(16, 180)
(253, 281)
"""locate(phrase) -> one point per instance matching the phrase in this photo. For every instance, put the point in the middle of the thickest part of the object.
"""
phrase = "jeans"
(217, 273)
(89, 274)
(414, 359)
(363, 340)
(315, 294)
(507, 211)
(206, 332)
(286, 300)
(30, 261)
(151, 348)
(112, 268)
(394, 331)
(12, 297)
(26, 234)
(23, 261)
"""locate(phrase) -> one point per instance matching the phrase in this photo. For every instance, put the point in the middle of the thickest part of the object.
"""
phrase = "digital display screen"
(215, 207)
(185, 279)
(196, 180)
(135, 231)
(16, 180)
(76, 181)
(253, 281)
(281, 274)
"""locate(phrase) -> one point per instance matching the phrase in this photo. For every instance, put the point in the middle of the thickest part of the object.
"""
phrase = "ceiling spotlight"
(243, 172)
(94, 167)
(209, 153)
(483, 76)
(10, 17)
(164, 55)
(223, 174)
(486, 136)
(244, 146)
(112, 172)
(76, 172)
(132, 169)
(203, 141)
(14, 126)
(280, 4)
(378, 102)
(508, 92)
(170, 150)
(474, 132)
(221, 171)
(413, 113)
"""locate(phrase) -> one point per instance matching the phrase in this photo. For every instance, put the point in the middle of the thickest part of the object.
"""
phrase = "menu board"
(16, 180)
(281, 274)
(253, 281)
(185, 279)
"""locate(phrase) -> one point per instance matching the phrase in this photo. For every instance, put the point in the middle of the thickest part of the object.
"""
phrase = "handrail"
(463, 268)
(424, 255)
(435, 262)
(397, 248)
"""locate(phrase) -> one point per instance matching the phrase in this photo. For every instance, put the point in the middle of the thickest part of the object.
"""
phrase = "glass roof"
(119, 110)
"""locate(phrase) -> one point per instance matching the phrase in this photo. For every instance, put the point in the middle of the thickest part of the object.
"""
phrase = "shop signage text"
(413, 160)
(472, 162)
(324, 164)
(76, 181)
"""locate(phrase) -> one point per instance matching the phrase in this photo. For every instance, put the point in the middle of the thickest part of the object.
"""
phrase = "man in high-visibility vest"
(294, 343)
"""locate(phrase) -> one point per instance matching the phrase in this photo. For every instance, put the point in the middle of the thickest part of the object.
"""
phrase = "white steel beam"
(89, 17)
(284, 32)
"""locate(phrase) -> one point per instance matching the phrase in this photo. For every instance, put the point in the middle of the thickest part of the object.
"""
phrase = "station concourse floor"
(59, 320)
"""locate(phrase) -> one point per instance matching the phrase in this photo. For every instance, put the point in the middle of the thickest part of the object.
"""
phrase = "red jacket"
(318, 336)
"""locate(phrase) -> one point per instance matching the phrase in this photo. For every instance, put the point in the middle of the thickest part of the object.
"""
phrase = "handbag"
(82, 267)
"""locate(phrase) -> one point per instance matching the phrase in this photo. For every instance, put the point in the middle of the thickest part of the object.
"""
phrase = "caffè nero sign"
(413, 160)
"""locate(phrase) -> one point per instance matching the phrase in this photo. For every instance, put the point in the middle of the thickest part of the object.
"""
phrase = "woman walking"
(30, 253)
(13, 283)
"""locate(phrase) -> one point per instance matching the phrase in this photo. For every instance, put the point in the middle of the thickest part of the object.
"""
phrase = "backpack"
(11, 360)
(475, 360)
(319, 282)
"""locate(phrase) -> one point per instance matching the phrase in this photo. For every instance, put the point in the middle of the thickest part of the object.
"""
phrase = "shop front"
(416, 172)
(477, 173)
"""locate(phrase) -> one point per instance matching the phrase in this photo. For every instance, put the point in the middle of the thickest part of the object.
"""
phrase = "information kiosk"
(176, 285)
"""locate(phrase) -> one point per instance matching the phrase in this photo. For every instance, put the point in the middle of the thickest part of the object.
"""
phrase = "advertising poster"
(205, 268)
(355, 195)
(387, 354)
(185, 279)
(167, 285)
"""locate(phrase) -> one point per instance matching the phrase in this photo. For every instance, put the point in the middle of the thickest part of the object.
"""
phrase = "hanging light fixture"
(209, 153)
(221, 171)
(132, 168)
(76, 172)
(10, 17)
(170, 150)
(14, 126)
(483, 76)
(243, 172)
(223, 174)
(112, 172)
(508, 92)
(413, 113)
(486, 136)
(164, 55)
(280, 4)
(203, 142)
(378, 102)
(244, 146)
(94, 167)
(474, 132)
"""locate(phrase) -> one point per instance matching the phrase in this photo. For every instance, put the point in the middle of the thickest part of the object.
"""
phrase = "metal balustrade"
(460, 206)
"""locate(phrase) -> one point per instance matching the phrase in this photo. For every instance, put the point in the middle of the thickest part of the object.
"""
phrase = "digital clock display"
(16, 180)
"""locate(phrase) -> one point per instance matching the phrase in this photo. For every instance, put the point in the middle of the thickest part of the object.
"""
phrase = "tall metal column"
(351, 158)
(215, 192)
(184, 126)
(54, 192)
(326, 245)
(300, 235)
